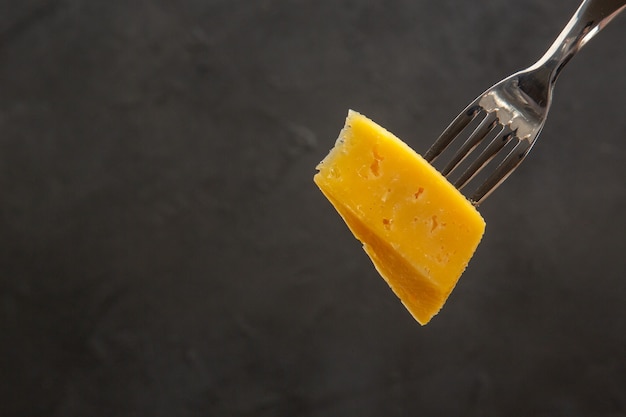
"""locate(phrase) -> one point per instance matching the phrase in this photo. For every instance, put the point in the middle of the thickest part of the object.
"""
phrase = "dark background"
(164, 252)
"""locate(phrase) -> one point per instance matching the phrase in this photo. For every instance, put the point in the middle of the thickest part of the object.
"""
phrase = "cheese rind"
(418, 229)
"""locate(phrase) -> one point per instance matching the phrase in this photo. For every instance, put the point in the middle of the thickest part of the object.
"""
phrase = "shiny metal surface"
(514, 110)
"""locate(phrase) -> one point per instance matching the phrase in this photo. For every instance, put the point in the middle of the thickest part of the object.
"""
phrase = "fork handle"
(590, 18)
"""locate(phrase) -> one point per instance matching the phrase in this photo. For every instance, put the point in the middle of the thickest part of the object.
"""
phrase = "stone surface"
(164, 252)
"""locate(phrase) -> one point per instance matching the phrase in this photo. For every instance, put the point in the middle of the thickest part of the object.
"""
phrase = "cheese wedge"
(418, 229)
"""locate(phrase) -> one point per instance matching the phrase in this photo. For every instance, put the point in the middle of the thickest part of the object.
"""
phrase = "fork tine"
(451, 132)
(504, 169)
(487, 125)
(501, 139)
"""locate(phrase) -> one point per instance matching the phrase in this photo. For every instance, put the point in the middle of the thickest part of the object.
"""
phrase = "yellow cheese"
(418, 229)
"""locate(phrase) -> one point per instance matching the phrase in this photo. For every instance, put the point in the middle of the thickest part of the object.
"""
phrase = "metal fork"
(514, 110)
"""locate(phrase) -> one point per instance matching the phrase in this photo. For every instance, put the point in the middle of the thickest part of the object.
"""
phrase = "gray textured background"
(164, 252)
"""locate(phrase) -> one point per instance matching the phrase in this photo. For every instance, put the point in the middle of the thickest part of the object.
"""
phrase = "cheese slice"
(418, 229)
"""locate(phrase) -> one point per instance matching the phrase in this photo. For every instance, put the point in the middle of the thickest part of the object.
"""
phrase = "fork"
(513, 111)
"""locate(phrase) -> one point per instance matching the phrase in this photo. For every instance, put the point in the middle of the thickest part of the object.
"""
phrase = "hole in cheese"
(434, 224)
(375, 167)
(385, 196)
